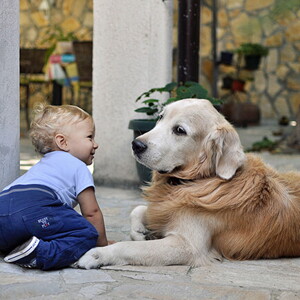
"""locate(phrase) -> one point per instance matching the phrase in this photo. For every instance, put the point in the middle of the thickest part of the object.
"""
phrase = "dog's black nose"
(138, 147)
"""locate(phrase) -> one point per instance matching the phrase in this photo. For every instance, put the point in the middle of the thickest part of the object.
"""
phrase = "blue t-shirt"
(65, 174)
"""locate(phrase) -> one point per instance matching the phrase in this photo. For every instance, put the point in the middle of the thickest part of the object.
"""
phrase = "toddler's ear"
(61, 142)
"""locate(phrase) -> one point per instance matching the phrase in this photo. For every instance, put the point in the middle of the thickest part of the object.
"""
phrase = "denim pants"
(34, 210)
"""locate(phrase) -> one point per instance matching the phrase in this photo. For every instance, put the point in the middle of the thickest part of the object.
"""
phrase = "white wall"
(9, 91)
(132, 53)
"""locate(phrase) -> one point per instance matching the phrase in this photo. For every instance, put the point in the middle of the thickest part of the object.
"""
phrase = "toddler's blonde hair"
(50, 120)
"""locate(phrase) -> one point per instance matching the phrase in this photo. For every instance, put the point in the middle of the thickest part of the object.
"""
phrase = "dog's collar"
(177, 181)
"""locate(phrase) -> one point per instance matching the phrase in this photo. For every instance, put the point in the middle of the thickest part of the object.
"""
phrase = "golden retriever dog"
(207, 199)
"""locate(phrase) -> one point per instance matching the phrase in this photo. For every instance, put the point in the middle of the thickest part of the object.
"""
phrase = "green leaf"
(152, 112)
(264, 144)
(198, 91)
(191, 83)
(170, 86)
(150, 101)
(151, 91)
(146, 94)
(183, 92)
(189, 89)
(149, 111)
(252, 49)
(160, 90)
(215, 101)
(142, 109)
(170, 100)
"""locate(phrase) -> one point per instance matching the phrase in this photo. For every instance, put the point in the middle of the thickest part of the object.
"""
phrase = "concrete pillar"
(132, 53)
(9, 91)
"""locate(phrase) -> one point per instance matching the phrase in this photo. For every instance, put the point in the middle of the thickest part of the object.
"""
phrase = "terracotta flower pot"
(241, 114)
(238, 85)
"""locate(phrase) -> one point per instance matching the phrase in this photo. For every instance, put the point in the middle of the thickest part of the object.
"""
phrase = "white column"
(132, 53)
(9, 91)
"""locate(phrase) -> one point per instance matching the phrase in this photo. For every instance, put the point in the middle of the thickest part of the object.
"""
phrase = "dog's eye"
(179, 130)
(160, 117)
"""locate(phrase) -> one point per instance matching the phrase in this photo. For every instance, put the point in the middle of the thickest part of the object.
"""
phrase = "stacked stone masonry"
(37, 25)
(275, 86)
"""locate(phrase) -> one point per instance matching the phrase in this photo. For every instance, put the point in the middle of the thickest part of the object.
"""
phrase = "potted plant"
(152, 107)
(241, 114)
(238, 85)
(226, 58)
(235, 110)
(252, 53)
(227, 82)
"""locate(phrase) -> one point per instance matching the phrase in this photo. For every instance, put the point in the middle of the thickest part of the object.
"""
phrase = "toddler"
(38, 226)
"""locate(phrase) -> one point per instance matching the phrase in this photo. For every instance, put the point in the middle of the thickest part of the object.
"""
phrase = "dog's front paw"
(91, 259)
(139, 234)
(138, 231)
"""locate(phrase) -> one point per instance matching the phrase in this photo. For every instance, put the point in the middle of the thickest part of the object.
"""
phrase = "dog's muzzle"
(138, 147)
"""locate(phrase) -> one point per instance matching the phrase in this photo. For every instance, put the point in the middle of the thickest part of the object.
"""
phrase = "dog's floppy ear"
(226, 149)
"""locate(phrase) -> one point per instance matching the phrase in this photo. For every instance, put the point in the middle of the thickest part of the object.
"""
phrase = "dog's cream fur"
(207, 199)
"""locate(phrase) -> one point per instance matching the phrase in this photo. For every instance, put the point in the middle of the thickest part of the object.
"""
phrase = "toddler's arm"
(92, 212)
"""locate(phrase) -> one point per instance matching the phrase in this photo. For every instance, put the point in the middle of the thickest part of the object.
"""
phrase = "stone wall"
(71, 17)
(276, 85)
(75, 16)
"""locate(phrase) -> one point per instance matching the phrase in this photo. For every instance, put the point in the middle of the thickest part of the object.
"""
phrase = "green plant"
(252, 49)
(190, 89)
(264, 145)
(282, 8)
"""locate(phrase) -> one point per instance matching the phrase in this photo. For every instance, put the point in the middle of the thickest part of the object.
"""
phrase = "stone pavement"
(263, 279)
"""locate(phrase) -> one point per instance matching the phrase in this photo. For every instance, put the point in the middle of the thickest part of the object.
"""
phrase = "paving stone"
(30, 289)
(94, 290)
(172, 270)
(182, 290)
(289, 296)
(12, 274)
(10, 268)
(263, 274)
(78, 276)
(149, 277)
(69, 295)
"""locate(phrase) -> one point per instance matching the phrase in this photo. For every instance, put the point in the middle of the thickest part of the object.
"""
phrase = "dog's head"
(191, 140)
